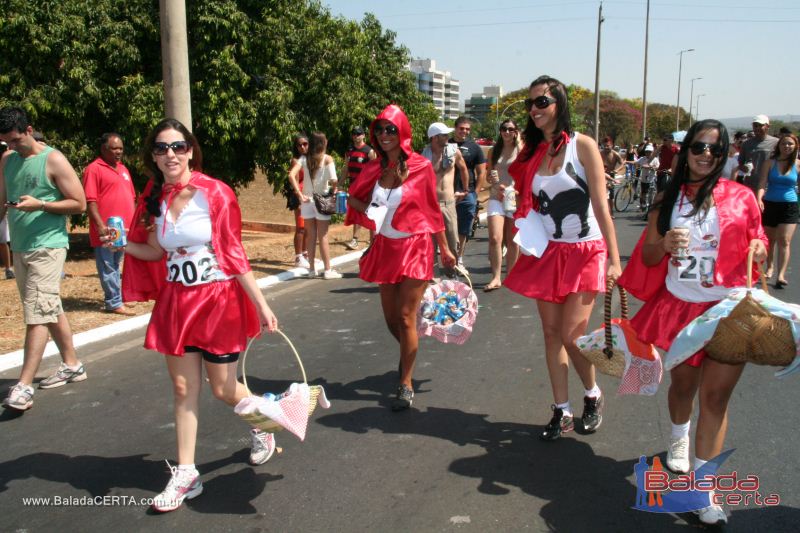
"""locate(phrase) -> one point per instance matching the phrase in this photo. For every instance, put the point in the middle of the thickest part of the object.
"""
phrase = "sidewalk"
(271, 257)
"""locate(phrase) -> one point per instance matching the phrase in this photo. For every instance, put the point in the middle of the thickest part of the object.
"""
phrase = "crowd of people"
(184, 249)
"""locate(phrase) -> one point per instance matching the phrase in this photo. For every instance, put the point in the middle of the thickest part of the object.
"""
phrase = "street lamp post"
(503, 113)
(697, 107)
(678, 104)
(691, 92)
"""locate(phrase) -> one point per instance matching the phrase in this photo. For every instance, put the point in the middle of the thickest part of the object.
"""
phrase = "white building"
(439, 85)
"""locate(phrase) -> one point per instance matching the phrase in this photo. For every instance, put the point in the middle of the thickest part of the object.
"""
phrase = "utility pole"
(597, 78)
(691, 93)
(678, 103)
(697, 107)
(175, 61)
(644, 89)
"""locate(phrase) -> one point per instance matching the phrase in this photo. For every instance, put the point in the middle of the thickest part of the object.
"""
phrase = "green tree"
(259, 70)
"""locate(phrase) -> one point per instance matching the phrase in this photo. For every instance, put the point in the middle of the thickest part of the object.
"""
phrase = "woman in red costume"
(398, 189)
(210, 303)
(708, 224)
(560, 174)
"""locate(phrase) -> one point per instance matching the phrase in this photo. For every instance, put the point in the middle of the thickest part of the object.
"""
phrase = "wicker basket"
(750, 334)
(261, 421)
(610, 361)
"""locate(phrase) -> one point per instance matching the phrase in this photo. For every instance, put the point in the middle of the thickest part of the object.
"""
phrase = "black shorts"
(776, 213)
(212, 357)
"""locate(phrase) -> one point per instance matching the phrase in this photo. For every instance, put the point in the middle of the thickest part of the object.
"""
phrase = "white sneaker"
(352, 245)
(460, 265)
(712, 515)
(262, 448)
(678, 455)
(182, 485)
(301, 262)
(20, 397)
(331, 274)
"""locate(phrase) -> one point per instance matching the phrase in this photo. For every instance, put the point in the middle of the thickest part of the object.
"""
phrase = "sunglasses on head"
(698, 148)
(540, 102)
(178, 148)
(508, 129)
(391, 129)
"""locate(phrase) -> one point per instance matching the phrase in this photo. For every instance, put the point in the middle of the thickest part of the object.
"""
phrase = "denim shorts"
(465, 210)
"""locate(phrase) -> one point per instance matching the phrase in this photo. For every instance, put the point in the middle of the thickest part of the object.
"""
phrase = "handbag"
(750, 333)
(292, 201)
(616, 350)
(325, 203)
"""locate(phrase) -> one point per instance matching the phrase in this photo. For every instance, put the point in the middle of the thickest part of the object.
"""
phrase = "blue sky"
(745, 50)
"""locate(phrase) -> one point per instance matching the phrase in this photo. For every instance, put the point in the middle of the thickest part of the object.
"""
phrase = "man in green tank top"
(38, 189)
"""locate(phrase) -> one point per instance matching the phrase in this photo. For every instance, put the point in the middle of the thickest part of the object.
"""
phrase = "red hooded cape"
(739, 223)
(418, 211)
(142, 280)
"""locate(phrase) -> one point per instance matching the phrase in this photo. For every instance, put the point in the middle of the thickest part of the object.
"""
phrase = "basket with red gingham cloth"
(448, 311)
(293, 408)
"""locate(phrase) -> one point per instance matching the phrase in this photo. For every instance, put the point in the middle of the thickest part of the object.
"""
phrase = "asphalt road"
(465, 457)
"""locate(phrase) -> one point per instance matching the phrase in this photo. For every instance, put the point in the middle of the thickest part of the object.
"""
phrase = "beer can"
(116, 230)
(510, 199)
(341, 202)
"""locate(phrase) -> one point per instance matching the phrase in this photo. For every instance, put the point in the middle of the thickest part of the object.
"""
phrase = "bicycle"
(625, 193)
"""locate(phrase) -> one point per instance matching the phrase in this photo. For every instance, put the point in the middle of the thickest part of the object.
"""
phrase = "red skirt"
(392, 260)
(217, 317)
(564, 268)
(663, 316)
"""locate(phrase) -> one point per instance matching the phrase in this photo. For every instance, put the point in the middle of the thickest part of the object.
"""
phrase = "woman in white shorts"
(501, 222)
(319, 174)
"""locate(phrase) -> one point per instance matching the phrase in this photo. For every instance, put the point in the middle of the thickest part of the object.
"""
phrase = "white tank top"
(190, 256)
(319, 182)
(564, 200)
(692, 278)
(391, 199)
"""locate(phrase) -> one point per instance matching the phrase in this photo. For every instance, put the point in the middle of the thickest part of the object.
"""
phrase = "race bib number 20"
(697, 268)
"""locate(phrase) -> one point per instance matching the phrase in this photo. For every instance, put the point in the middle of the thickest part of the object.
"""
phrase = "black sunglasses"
(391, 129)
(506, 129)
(540, 102)
(697, 148)
(178, 148)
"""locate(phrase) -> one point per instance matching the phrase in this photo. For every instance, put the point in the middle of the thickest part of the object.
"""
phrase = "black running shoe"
(403, 399)
(592, 413)
(560, 423)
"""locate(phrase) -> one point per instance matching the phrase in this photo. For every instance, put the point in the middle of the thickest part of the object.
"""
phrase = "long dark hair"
(296, 151)
(316, 151)
(497, 149)
(533, 135)
(702, 200)
(153, 201)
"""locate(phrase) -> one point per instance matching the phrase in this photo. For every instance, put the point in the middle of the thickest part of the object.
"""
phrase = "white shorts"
(4, 236)
(494, 208)
(309, 210)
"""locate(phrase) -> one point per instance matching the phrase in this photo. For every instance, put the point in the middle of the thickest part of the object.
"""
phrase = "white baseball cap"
(648, 148)
(761, 119)
(438, 128)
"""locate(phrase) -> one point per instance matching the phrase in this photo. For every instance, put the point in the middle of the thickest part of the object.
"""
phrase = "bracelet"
(43, 204)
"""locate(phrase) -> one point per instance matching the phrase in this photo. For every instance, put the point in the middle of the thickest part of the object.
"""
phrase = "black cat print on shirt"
(569, 202)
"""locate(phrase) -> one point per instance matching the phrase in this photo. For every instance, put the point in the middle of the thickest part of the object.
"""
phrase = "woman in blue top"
(777, 198)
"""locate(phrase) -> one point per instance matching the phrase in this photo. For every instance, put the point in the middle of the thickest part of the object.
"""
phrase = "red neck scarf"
(171, 191)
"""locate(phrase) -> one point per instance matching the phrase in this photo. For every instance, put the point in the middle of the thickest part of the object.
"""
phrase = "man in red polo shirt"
(109, 193)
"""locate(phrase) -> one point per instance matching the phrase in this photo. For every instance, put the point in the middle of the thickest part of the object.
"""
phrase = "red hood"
(395, 115)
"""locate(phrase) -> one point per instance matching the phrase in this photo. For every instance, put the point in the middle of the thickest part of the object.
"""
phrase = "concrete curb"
(14, 359)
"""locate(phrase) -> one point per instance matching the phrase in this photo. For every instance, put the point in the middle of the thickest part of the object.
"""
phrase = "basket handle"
(464, 274)
(623, 296)
(750, 254)
(294, 350)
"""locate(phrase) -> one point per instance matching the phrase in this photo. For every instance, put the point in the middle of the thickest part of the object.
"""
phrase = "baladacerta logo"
(659, 492)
